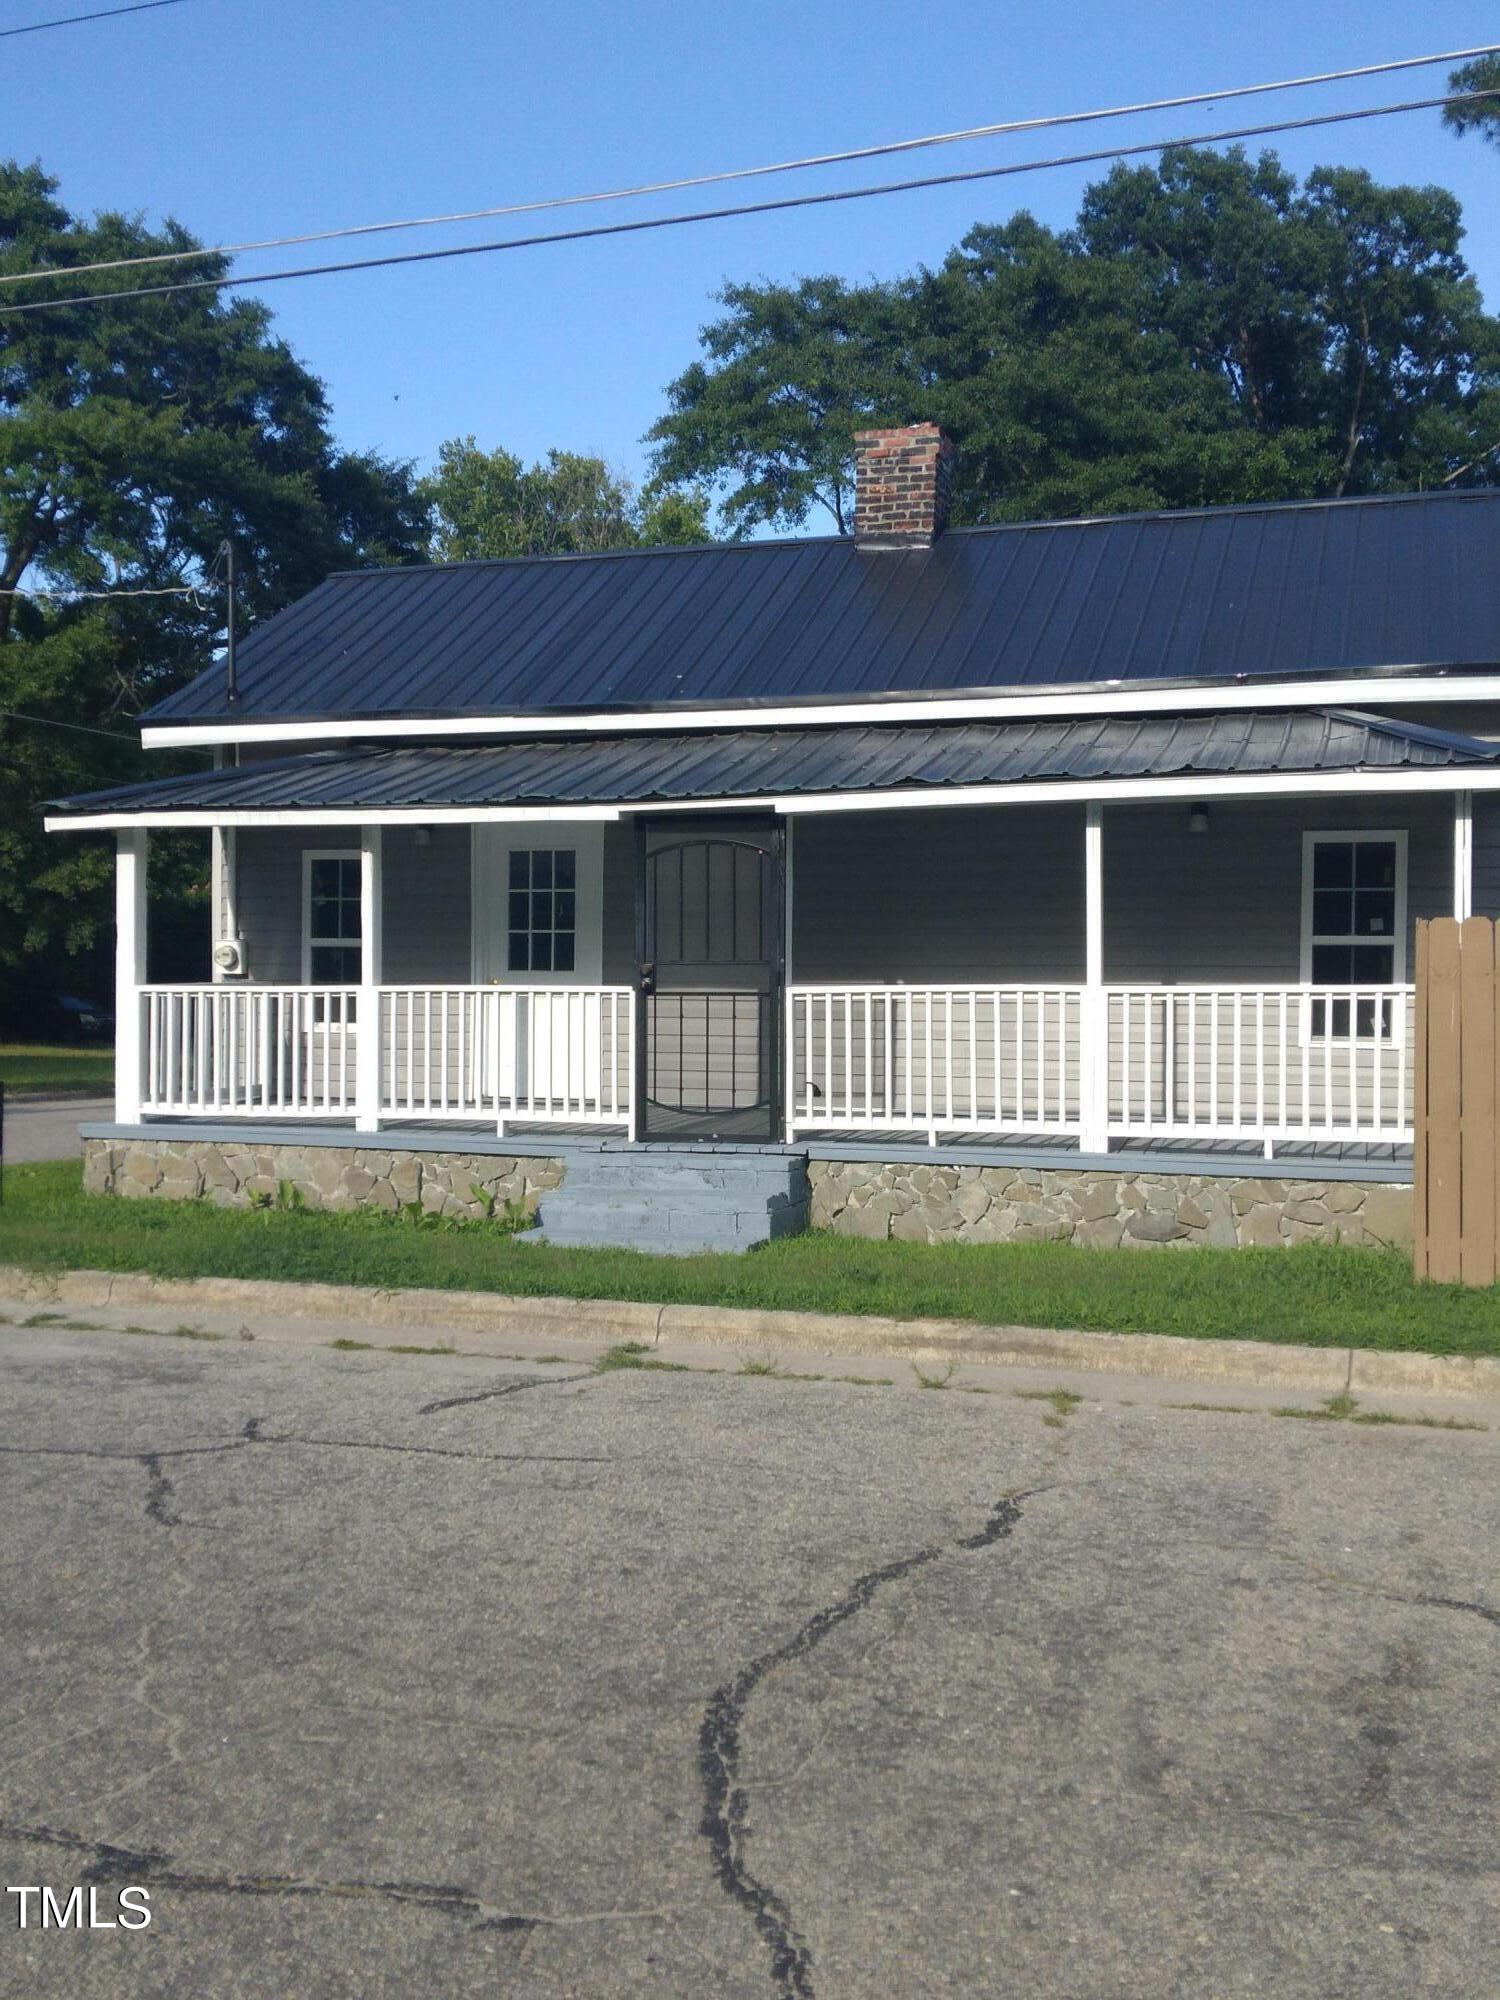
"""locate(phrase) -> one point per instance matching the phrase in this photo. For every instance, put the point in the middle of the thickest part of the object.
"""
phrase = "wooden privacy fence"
(1456, 1186)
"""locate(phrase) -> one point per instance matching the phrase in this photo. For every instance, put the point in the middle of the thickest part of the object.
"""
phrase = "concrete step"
(675, 1200)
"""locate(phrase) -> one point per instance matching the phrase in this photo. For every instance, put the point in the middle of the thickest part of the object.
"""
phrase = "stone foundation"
(912, 1202)
(336, 1177)
(943, 1204)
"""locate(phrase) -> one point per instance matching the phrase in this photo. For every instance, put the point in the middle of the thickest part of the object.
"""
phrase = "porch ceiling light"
(1198, 819)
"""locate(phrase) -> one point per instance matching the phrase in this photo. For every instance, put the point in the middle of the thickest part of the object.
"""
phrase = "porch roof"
(769, 765)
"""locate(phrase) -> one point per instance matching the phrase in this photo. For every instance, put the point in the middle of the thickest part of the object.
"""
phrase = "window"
(1353, 926)
(332, 920)
(542, 914)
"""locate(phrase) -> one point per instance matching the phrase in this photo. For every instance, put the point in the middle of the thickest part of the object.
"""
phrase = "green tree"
(1210, 332)
(1484, 117)
(488, 503)
(136, 437)
(791, 373)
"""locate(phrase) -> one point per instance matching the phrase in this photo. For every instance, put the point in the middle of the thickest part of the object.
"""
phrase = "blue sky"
(246, 118)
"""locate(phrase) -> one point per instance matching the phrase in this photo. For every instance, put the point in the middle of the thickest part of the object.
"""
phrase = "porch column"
(1093, 1064)
(1463, 855)
(130, 970)
(367, 1016)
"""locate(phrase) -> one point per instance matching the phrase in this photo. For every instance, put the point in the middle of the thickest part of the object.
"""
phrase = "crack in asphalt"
(726, 1803)
(1459, 1604)
(161, 1489)
(153, 1868)
(506, 1389)
(160, 1492)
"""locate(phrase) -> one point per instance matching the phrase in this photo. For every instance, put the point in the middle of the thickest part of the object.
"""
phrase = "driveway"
(46, 1128)
(418, 1675)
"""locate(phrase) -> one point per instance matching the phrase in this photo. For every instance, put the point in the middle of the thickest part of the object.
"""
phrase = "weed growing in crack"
(347, 1346)
(758, 1364)
(1064, 1402)
(1344, 1409)
(634, 1354)
(933, 1381)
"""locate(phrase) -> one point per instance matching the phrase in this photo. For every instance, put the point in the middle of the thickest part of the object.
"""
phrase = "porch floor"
(1293, 1160)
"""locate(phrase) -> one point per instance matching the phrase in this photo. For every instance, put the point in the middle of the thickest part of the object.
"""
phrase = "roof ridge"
(1301, 503)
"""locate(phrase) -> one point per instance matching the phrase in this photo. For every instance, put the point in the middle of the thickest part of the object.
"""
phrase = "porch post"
(1463, 855)
(1093, 1065)
(367, 1017)
(130, 970)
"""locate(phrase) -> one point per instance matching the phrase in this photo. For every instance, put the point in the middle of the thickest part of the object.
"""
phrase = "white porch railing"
(1181, 1062)
(942, 1058)
(459, 1053)
(261, 1051)
(1279, 1062)
(559, 1053)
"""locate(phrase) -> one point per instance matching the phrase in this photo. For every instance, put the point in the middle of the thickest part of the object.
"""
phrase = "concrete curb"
(473, 1321)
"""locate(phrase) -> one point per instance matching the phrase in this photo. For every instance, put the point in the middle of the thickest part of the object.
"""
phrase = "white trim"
(1405, 683)
(309, 856)
(1279, 785)
(1093, 1053)
(489, 878)
(1463, 855)
(1360, 836)
(130, 970)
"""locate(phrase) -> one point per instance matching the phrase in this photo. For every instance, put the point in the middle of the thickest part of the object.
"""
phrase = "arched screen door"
(709, 960)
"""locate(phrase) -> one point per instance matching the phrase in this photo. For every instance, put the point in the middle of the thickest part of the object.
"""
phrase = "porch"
(1138, 982)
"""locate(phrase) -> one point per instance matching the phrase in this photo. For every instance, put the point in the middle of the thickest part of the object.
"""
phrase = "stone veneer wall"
(942, 1204)
(233, 1175)
(913, 1202)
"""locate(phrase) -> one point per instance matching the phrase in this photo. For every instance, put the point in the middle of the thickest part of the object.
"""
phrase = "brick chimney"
(903, 481)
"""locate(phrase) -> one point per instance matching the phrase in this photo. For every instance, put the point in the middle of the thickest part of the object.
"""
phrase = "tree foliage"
(488, 503)
(1484, 117)
(1209, 331)
(137, 436)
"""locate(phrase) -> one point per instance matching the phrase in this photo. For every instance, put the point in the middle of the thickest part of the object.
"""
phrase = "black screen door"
(709, 959)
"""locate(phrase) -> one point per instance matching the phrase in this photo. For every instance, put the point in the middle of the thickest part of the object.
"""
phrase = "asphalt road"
(409, 1676)
(46, 1128)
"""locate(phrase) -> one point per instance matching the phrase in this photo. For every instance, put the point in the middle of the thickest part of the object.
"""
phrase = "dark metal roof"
(1314, 588)
(756, 763)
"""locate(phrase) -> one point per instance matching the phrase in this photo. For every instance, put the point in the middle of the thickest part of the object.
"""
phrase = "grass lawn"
(41, 1067)
(1323, 1296)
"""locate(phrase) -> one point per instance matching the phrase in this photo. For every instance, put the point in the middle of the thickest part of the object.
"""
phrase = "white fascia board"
(1125, 791)
(1109, 698)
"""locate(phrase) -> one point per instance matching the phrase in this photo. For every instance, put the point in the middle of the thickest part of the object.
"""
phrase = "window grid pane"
(1353, 939)
(542, 909)
(335, 920)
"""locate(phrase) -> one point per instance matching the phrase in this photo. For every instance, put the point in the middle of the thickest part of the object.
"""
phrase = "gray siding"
(1487, 854)
(945, 896)
(619, 904)
(1226, 906)
(427, 897)
(426, 901)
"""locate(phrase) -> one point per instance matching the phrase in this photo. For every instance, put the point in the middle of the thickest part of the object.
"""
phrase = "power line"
(78, 728)
(82, 596)
(102, 14)
(781, 203)
(882, 151)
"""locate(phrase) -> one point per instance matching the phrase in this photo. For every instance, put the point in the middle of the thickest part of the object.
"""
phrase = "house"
(1043, 880)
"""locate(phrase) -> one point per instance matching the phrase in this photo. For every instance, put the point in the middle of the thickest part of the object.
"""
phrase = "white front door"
(538, 926)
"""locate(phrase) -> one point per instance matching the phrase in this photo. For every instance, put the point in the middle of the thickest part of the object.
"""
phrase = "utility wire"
(781, 203)
(102, 14)
(78, 728)
(81, 596)
(882, 151)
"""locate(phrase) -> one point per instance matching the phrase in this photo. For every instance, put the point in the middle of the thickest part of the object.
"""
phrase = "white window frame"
(1356, 836)
(309, 856)
(489, 863)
